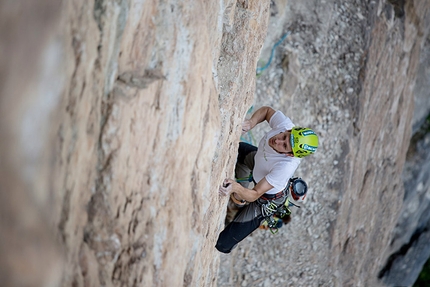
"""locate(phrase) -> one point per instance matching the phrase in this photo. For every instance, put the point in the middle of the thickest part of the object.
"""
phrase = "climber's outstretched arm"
(260, 115)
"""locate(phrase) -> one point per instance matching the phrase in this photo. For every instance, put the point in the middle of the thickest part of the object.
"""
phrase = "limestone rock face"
(119, 124)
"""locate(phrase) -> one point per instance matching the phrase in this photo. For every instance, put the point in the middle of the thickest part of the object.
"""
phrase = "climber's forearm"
(260, 115)
(251, 195)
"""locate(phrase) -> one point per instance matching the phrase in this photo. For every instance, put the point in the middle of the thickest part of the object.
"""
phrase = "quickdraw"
(270, 209)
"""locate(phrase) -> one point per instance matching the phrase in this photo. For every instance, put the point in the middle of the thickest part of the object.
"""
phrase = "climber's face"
(281, 143)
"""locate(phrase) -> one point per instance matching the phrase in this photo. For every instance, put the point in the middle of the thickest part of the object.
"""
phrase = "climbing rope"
(245, 179)
(260, 70)
(248, 138)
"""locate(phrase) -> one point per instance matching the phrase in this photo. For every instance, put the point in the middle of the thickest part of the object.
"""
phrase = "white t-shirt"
(275, 167)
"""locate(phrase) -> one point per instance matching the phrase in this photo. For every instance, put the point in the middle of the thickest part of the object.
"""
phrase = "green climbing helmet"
(304, 141)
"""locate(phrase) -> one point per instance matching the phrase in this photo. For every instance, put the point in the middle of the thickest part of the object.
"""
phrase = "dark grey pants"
(246, 221)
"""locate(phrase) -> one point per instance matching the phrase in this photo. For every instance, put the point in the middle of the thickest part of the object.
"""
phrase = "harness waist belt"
(272, 196)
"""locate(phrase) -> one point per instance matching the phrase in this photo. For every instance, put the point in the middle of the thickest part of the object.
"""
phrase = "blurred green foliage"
(424, 277)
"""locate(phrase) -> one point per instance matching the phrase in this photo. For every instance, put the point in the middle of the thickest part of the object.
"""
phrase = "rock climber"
(271, 167)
